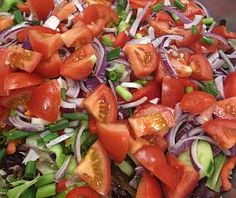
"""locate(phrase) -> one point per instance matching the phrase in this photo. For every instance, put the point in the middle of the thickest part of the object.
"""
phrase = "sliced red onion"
(26, 45)
(167, 3)
(134, 182)
(62, 83)
(233, 151)
(78, 5)
(83, 87)
(133, 85)
(134, 104)
(68, 105)
(110, 30)
(92, 83)
(151, 32)
(77, 145)
(59, 139)
(11, 33)
(6, 14)
(195, 131)
(181, 16)
(52, 22)
(226, 59)
(31, 156)
(232, 55)
(159, 40)
(62, 171)
(143, 40)
(126, 76)
(216, 36)
(154, 101)
(203, 7)
(220, 85)
(39, 121)
(77, 101)
(119, 61)
(121, 116)
(22, 125)
(128, 17)
(13, 42)
(140, 14)
(167, 64)
(112, 88)
(182, 49)
(197, 19)
(213, 57)
(127, 8)
(212, 27)
(178, 112)
(73, 88)
(70, 21)
(28, 118)
(193, 155)
(232, 43)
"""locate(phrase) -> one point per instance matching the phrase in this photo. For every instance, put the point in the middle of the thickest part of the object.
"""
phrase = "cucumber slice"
(205, 158)
(185, 157)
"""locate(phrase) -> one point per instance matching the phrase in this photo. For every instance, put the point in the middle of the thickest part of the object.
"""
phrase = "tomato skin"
(23, 7)
(115, 138)
(83, 191)
(149, 187)
(187, 179)
(172, 91)
(221, 30)
(61, 186)
(5, 22)
(46, 44)
(95, 169)
(41, 11)
(49, 68)
(121, 39)
(143, 58)
(102, 100)
(222, 131)
(104, 2)
(230, 85)
(197, 101)
(64, 10)
(226, 109)
(135, 4)
(158, 166)
(79, 65)
(24, 33)
(201, 67)
(45, 101)
(17, 80)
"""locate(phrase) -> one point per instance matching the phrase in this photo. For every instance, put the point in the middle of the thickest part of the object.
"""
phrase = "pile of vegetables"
(123, 98)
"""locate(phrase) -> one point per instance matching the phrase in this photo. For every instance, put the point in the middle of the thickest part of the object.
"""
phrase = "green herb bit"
(47, 138)
(16, 134)
(18, 16)
(158, 7)
(45, 179)
(208, 21)
(35, 22)
(2, 153)
(189, 89)
(121, 5)
(208, 40)
(46, 191)
(225, 66)
(63, 94)
(126, 168)
(106, 40)
(142, 82)
(76, 116)
(194, 29)
(210, 87)
(124, 93)
(122, 26)
(175, 17)
(86, 141)
(179, 4)
(7, 5)
(30, 170)
(60, 125)
(29, 193)
(116, 73)
(113, 54)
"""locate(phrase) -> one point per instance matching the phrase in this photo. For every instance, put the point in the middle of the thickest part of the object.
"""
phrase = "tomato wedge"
(230, 85)
(45, 101)
(153, 159)
(115, 138)
(49, 68)
(143, 58)
(23, 59)
(149, 187)
(222, 131)
(121, 39)
(95, 169)
(46, 44)
(83, 191)
(17, 80)
(135, 4)
(5, 22)
(64, 10)
(221, 30)
(197, 101)
(101, 103)
(41, 11)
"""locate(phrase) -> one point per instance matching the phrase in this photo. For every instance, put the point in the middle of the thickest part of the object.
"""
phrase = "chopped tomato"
(152, 119)
(45, 101)
(148, 187)
(41, 11)
(121, 39)
(46, 44)
(5, 22)
(230, 85)
(161, 71)
(201, 67)
(49, 68)
(17, 80)
(225, 171)
(197, 101)
(101, 103)
(104, 2)
(153, 159)
(163, 16)
(115, 138)
(23, 59)
(61, 185)
(4, 112)
(191, 9)
(77, 36)
(156, 139)
(64, 10)
(83, 191)
(135, 4)
(151, 90)
(222, 31)
(23, 7)
(12, 146)
(92, 125)
(95, 169)
(172, 91)
(187, 179)
(79, 65)
(222, 131)
(143, 58)
(24, 33)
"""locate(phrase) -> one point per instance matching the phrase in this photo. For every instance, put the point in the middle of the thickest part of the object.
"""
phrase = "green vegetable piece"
(185, 157)
(121, 5)
(212, 182)
(45, 179)
(122, 26)
(86, 141)
(113, 54)
(63, 94)
(7, 5)
(106, 40)
(76, 116)
(47, 138)
(46, 191)
(142, 82)
(30, 170)
(208, 40)
(18, 16)
(189, 89)
(16, 134)
(179, 4)
(210, 87)
(158, 7)
(2, 153)
(115, 74)
(57, 149)
(18, 190)
(126, 168)
(124, 93)
(29, 193)
(138, 36)
(61, 124)
(208, 21)
(194, 29)
(175, 17)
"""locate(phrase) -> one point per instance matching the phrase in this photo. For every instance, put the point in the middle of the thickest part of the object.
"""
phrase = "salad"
(123, 98)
